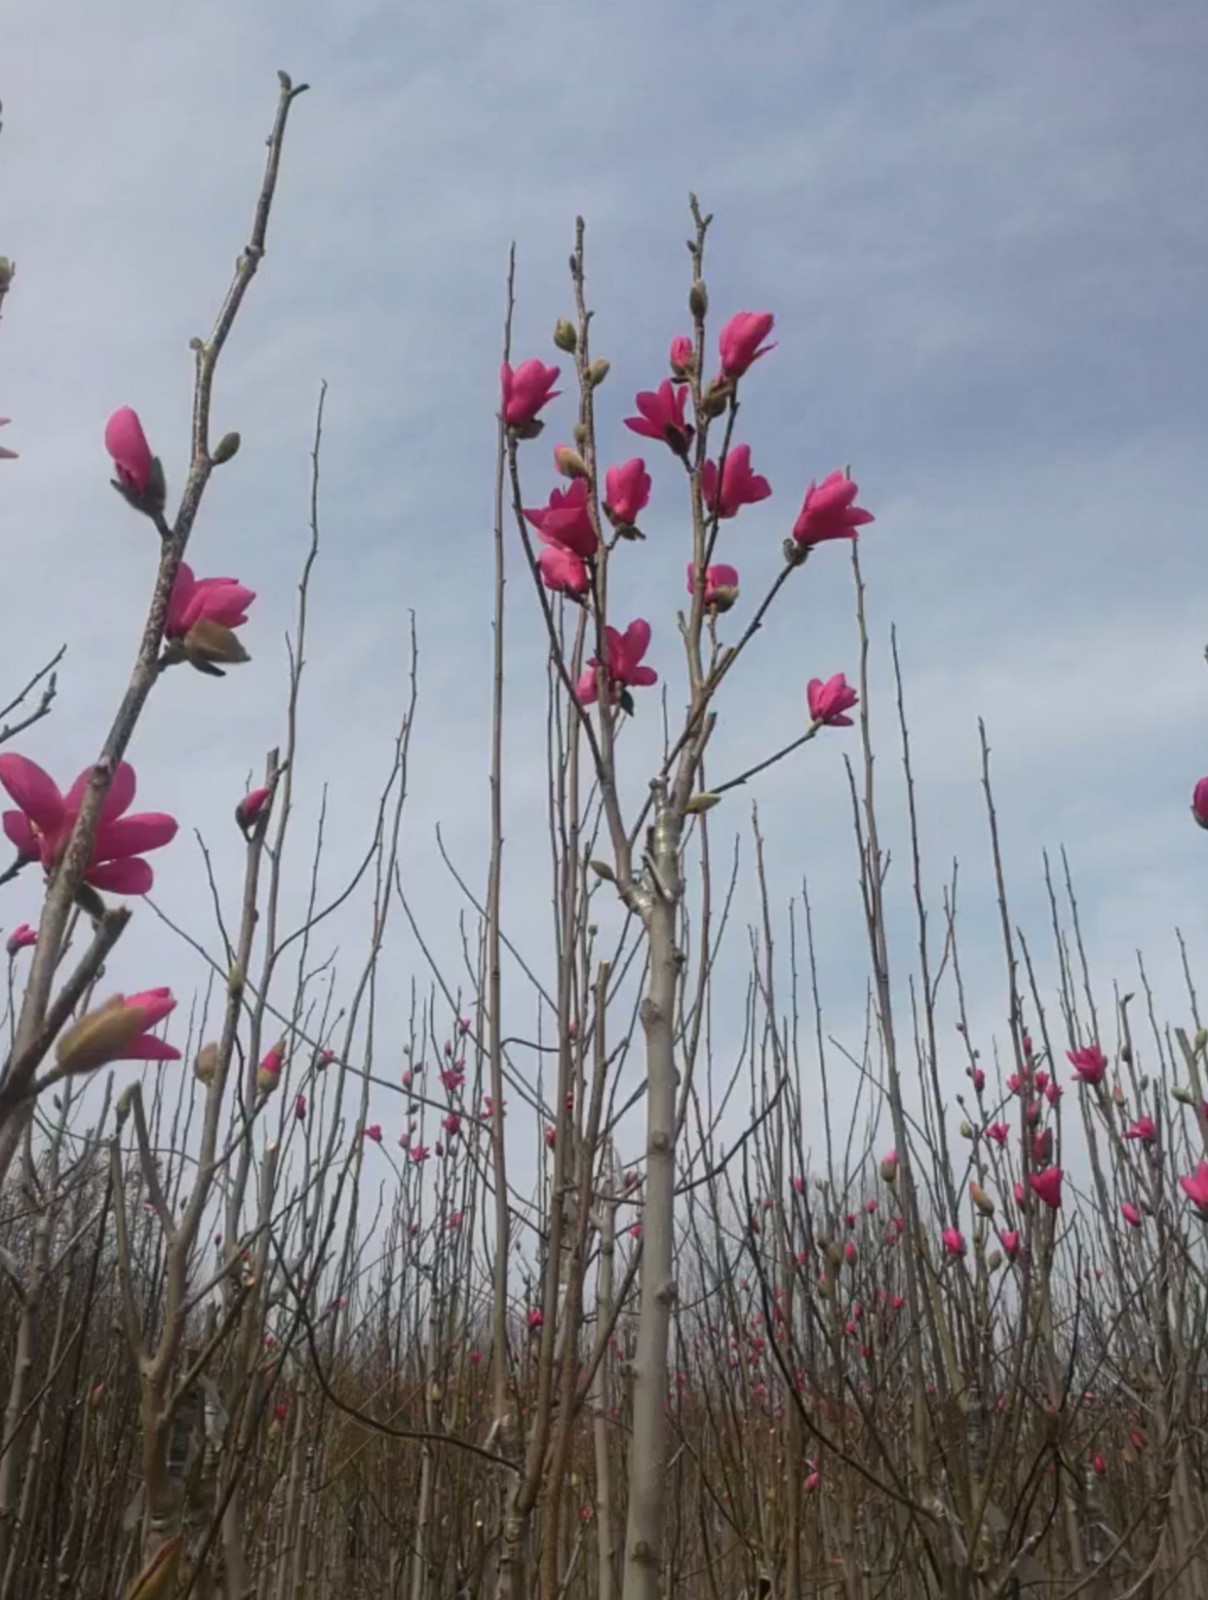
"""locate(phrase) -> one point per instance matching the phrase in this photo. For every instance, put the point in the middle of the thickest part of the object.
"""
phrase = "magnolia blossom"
(682, 355)
(830, 700)
(999, 1132)
(373, 1132)
(1199, 802)
(721, 585)
(739, 485)
(954, 1241)
(624, 668)
(127, 445)
(1046, 1186)
(43, 824)
(566, 520)
(536, 1318)
(662, 416)
(268, 1073)
(1009, 1239)
(829, 512)
(250, 807)
(1196, 1188)
(1130, 1214)
(1089, 1064)
(21, 938)
(193, 600)
(627, 491)
(1144, 1128)
(526, 389)
(741, 341)
(120, 1030)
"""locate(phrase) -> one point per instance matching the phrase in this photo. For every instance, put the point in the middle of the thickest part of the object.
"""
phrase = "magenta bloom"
(374, 1132)
(741, 341)
(193, 600)
(954, 1241)
(6, 455)
(1130, 1214)
(526, 389)
(250, 807)
(721, 585)
(565, 520)
(1144, 1128)
(42, 825)
(1196, 1188)
(999, 1132)
(828, 701)
(563, 571)
(828, 512)
(1009, 1238)
(120, 1030)
(627, 491)
(683, 355)
(1046, 1186)
(625, 669)
(1199, 803)
(662, 416)
(536, 1318)
(1089, 1063)
(739, 485)
(127, 444)
(21, 938)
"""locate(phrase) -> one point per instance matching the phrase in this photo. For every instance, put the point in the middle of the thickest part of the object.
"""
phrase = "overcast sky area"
(981, 229)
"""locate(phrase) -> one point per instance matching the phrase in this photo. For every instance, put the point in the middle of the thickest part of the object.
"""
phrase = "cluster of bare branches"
(899, 1341)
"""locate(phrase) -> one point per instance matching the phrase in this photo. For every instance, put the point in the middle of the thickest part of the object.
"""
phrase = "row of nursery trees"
(962, 1355)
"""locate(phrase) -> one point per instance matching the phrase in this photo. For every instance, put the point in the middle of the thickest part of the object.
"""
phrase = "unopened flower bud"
(981, 1200)
(226, 447)
(206, 1064)
(889, 1167)
(569, 462)
(716, 397)
(597, 372)
(1201, 1038)
(1183, 1096)
(994, 1260)
(698, 299)
(602, 870)
(966, 1131)
(701, 802)
(565, 336)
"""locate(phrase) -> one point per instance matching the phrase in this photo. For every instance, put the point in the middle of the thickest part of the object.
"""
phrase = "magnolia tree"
(957, 1351)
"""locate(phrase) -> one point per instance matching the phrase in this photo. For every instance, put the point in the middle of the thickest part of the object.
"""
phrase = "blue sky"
(981, 229)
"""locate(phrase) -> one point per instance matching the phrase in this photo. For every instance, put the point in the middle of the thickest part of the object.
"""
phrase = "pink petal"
(18, 832)
(134, 836)
(131, 876)
(35, 792)
(118, 799)
(148, 1048)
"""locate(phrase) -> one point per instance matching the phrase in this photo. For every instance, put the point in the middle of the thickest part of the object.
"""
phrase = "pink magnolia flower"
(451, 1079)
(1130, 1214)
(739, 485)
(1144, 1128)
(1047, 1186)
(127, 445)
(300, 1108)
(721, 585)
(374, 1132)
(683, 355)
(193, 600)
(268, 1073)
(954, 1241)
(563, 571)
(420, 1153)
(741, 341)
(627, 491)
(662, 416)
(42, 825)
(979, 1080)
(526, 389)
(451, 1124)
(1042, 1145)
(828, 701)
(1089, 1063)
(625, 669)
(6, 455)
(119, 1030)
(21, 938)
(565, 520)
(1098, 1464)
(454, 1222)
(250, 807)
(828, 512)
(1199, 802)
(799, 1185)
(999, 1132)
(536, 1318)
(1009, 1239)
(1196, 1188)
